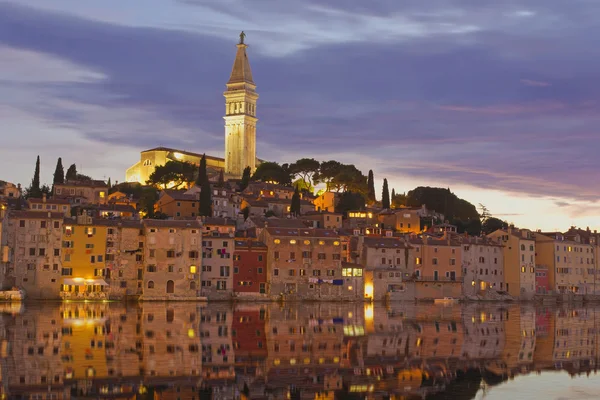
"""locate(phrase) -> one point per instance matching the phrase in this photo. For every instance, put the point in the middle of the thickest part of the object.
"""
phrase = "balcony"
(83, 295)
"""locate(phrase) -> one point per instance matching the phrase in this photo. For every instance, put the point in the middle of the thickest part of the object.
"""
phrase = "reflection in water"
(273, 351)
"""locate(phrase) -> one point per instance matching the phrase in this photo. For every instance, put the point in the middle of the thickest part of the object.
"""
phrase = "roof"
(432, 241)
(91, 183)
(316, 213)
(179, 195)
(168, 223)
(48, 201)
(274, 222)
(241, 72)
(24, 214)
(188, 153)
(218, 221)
(239, 243)
(129, 223)
(386, 242)
(306, 232)
(274, 200)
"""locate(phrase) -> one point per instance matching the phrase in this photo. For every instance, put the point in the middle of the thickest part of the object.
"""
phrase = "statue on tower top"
(242, 37)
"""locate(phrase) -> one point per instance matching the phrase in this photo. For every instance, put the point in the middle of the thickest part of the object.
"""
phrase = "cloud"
(562, 203)
(431, 91)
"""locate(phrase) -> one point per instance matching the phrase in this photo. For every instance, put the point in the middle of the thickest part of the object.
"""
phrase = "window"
(171, 254)
(262, 288)
(42, 252)
(152, 253)
(22, 223)
(67, 272)
(221, 285)
(92, 259)
(276, 272)
(276, 255)
(259, 270)
(193, 254)
(224, 271)
(434, 261)
(418, 260)
(151, 268)
(523, 269)
(322, 256)
(150, 284)
(42, 224)
(317, 272)
(193, 269)
(170, 287)
(32, 251)
(260, 257)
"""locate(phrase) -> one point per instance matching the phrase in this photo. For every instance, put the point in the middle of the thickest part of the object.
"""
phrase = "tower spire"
(240, 115)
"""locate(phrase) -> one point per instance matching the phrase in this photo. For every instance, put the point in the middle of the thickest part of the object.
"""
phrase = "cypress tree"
(385, 196)
(295, 206)
(202, 174)
(371, 187)
(59, 174)
(34, 189)
(393, 197)
(108, 183)
(245, 178)
(71, 173)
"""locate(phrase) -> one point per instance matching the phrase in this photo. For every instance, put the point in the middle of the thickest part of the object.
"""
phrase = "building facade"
(483, 265)
(250, 268)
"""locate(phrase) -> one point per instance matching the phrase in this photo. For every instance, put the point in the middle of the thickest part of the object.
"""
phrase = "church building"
(240, 130)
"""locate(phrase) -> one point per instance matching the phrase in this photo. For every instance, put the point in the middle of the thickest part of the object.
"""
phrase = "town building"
(172, 259)
(177, 204)
(483, 265)
(387, 265)
(83, 255)
(49, 205)
(519, 261)
(250, 269)
(218, 246)
(306, 264)
(322, 219)
(82, 192)
(217, 352)
(124, 259)
(405, 219)
(438, 267)
(34, 253)
(327, 201)
(568, 261)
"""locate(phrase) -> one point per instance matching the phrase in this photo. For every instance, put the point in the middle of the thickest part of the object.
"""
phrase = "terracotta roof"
(248, 243)
(178, 195)
(385, 242)
(49, 201)
(274, 222)
(306, 232)
(92, 183)
(218, 221)
(166, 223)
(24, 214)
(188, 153)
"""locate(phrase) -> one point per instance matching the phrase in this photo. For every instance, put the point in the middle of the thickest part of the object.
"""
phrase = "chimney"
(43, 197)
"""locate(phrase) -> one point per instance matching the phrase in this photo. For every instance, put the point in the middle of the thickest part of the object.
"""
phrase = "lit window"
(276, 241)
(193, 269)
(336, 243)
(102, 194)
(321, 242)
(307, 242)
(293, 241)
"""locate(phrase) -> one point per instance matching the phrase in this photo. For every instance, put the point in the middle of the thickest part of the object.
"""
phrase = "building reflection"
(159, 350)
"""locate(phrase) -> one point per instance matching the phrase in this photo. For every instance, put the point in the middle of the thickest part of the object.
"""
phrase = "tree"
(385, 195)
(59, 174)
(350, 201)
(273, 172)
(245, 178)
(221, 179)
(246, 212)
(327, 172)
(371, 198)
(393, 195)
(34, 190)
(306, 169)
(349, 179)
(108, 183)
(148, 196)
(295, 206)
(205, 209)
(71, 173)
(484, 214)
(492, 224)
(173, 173)
(202, 173)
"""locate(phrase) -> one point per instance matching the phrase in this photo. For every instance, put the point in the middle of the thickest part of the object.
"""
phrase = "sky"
(495, 100)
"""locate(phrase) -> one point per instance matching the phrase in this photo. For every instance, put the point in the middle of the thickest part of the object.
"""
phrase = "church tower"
(240, 115)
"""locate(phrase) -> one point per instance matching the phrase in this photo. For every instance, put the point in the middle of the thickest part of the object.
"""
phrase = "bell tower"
(240, 115)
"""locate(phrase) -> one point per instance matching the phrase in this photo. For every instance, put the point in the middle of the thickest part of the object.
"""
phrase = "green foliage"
(385, 195)
(371, 198)
(245, 178)
(306, 169)
(108, 183)
(399, 200)
(221, 182)
(175, 172)
(246, 212)
(350, 201)
(273, 172)
(148, 196)
(327, 172)
(349, 179)
(59, 173)
(457, 211)
(71, 173)
(295, 206)
(492, 224)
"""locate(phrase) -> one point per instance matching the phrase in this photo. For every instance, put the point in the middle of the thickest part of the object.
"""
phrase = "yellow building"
(83, 263)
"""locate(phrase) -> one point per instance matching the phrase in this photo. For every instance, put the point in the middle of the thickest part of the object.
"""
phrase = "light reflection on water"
(312, 351)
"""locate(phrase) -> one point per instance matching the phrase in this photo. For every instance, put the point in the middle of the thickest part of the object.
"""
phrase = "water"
(310, 351)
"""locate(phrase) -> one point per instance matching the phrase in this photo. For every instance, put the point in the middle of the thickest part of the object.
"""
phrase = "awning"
(84, 282)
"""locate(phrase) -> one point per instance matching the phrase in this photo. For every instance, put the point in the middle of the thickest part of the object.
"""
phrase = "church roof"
(241, 72)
